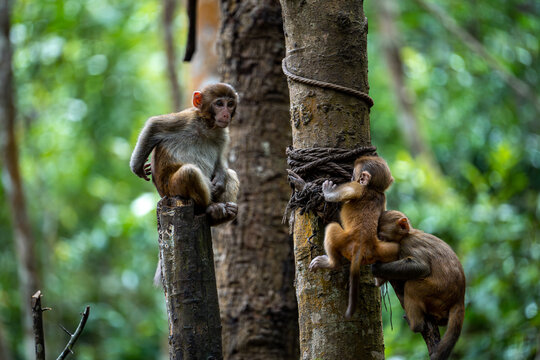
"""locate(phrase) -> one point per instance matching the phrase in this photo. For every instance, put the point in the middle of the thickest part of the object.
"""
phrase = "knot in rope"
(309, 168)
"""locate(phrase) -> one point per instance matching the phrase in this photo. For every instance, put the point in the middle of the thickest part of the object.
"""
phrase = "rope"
(323, 84)
(315, 165)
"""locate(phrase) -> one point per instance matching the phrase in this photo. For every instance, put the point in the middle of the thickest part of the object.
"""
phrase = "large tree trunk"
(255, 270)
(24, 242)
(327, 41)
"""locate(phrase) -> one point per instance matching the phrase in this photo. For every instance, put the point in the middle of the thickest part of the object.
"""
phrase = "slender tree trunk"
(390, 41)
(169, 7)
(255, 263)
(24, 241)
(327, 41)
(189, 281)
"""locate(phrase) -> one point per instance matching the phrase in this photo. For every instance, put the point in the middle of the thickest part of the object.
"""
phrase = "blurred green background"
(88, 74)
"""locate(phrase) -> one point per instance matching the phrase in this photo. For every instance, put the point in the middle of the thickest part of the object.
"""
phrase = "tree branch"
(75, 336)
(37, 318)
(519, 86)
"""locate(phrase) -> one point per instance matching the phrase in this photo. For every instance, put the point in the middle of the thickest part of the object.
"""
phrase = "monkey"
(188, 157)
(356, 238)
(428, 280)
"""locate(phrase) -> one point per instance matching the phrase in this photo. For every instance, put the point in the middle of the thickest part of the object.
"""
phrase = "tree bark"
(327, 41)
(37, 318)
(11, 178)
(255, 261)
(189, 282)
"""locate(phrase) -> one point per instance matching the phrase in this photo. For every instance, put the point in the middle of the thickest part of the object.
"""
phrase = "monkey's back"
(445, 286)
(360, 218)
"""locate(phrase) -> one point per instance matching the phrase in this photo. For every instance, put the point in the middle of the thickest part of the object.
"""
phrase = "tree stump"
(189, 281)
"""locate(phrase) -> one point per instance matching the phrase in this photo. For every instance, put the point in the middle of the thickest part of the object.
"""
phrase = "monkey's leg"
(232, 185)
(415, 313)
(188, 181)
(225, 208)
(335, 239)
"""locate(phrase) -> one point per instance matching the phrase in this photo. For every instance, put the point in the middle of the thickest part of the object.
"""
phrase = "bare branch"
(39, 338)
(68, 349)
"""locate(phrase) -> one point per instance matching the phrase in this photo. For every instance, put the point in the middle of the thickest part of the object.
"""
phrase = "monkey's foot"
(219, 213)
(319, 262)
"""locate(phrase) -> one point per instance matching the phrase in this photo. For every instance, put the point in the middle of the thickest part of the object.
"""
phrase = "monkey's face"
(223, 109)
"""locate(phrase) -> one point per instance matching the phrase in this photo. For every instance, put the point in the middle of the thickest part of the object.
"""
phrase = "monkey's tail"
(451, 336)
(354, 280)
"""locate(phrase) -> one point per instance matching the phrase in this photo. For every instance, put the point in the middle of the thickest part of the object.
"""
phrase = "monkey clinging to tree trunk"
(356, 239)
(188, 158)
(428, 280)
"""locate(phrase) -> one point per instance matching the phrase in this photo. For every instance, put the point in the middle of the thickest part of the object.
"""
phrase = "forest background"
(88, 74)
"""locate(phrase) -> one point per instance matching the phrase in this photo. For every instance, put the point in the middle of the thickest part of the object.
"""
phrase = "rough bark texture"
(189, 282)
(327, 41)
(255, 261)
(11, 178)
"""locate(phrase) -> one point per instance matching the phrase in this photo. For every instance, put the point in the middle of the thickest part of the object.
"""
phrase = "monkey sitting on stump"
(189, 153)
(428, 280)
(356, 239)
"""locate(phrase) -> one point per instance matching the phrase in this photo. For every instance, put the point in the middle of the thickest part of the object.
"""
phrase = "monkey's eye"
(219, 103)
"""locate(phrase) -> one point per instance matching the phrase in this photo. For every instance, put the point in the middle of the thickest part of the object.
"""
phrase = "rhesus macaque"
(188, 153)
(356, 238)
(428, 280)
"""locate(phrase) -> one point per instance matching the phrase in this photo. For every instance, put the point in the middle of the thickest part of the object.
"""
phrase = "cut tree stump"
(189, 281)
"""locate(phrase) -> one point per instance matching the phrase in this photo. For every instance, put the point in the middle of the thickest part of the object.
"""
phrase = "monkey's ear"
(365, 177)
(403, 223)
(197, 99)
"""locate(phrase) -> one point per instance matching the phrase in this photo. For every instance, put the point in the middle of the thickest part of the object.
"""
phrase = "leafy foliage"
(485, 138)
(89, 73)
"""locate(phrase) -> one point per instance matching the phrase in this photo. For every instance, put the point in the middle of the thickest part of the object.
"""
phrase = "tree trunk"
(255, 261)
(327, 41)
(24, 241)
(169, 7)
(390, 41)
(189, 282)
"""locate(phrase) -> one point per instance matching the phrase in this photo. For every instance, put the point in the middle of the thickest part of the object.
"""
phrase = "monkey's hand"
(147, 170)
(218, 186)
(328, 189)
(319, 262)
(142, 172)
(296, 180)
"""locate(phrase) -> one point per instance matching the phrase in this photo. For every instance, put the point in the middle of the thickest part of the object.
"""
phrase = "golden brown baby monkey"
(356, 238)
